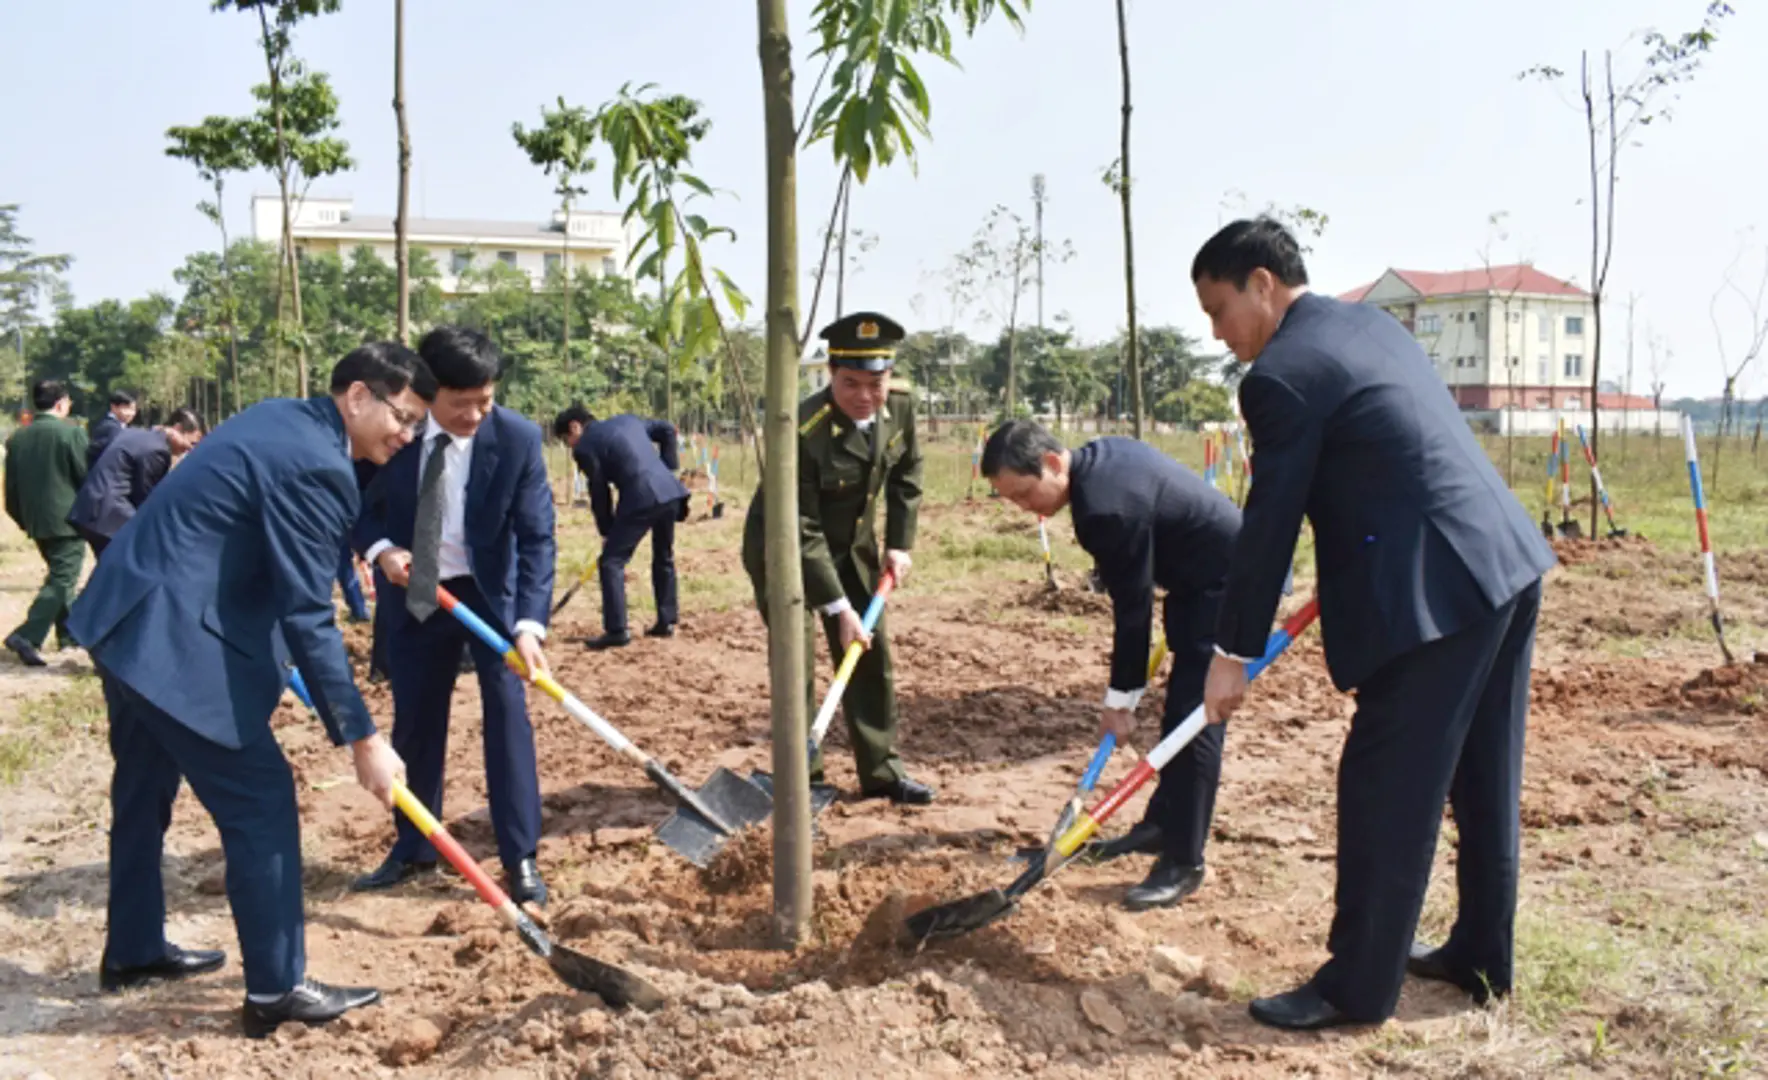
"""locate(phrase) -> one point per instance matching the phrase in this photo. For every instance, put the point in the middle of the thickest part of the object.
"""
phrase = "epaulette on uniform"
(816, 418)
(899, 385)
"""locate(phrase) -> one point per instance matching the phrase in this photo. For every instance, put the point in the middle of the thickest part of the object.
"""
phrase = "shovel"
(975, 912)
(1615, 532)
(1043, 536)
(582, 579)
(712, 485)
(616, 986)
(822, 795)
(725, 804)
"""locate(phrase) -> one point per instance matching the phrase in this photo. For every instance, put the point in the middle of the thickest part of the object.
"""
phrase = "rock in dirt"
(478, 945)
(458, 919)
(589, 1026)
(1103, 1015)
(1176, 962)
(885, 927)
(537, 1036)
(129, 1064)
(413, 1041)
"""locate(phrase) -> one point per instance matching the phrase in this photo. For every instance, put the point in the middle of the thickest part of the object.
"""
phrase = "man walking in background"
(45, 466)
(116, 418)
(134, 463)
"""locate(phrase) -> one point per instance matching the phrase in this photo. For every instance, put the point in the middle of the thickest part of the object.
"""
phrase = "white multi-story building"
(590, 238)
(1507, 337)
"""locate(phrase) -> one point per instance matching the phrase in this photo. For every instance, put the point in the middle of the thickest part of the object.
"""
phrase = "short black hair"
(121, 397)
(386, 367)
(461, 359)
(575, 412)
(184, 420)
(1241, 247)
(1018, 446)
(46, 392)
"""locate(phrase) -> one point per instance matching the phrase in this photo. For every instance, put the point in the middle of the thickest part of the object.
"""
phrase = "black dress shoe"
(25, 651)
(1302, 1009)
(608, 641)
(902, 792)
(390, 873)
(176, 964)
(526, 885)
(1169, 882)
(1143, 839)
(661, 630)
(1428, 963)
(310, 1003)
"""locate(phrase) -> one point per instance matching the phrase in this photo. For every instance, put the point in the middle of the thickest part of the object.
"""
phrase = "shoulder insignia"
(901, 386)
(815, 418)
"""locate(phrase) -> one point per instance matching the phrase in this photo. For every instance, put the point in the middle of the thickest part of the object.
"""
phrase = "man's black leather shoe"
(1428, 963)
(25, 651)
(1302, 1009)
(1143, 839)
(661, 630)
(393, 872)
(526, 885)
(310, 1003)
(176, 964)
(1169, 882)
(902, 792)
(608, 641)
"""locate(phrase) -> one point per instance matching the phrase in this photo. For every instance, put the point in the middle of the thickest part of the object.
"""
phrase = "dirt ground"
(1643, 787)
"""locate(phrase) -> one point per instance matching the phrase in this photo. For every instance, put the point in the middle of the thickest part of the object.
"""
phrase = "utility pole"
(1037, 198)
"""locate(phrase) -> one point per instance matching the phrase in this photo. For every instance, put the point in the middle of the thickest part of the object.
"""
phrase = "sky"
(1404, 122)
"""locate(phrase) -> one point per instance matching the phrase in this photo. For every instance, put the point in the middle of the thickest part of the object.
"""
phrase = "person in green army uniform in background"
(856, 440)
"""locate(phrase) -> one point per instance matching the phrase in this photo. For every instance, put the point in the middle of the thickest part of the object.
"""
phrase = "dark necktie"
(426, 541)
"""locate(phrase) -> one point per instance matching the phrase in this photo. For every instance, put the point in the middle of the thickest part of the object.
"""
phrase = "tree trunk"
(565, 273)
(282, 179)
(1132, 355)
(1724, 420)
(402, 227)
(1013, 331)
(841, 254)
(1595, 267)
(227, 298)
(785, 582)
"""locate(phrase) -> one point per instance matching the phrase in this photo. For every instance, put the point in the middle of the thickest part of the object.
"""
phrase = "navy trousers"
(1183, 804)
(250, 793)
(423, 661)
(1444, 721)
(617, 548)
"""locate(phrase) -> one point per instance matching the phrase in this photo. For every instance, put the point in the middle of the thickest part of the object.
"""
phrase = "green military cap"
(863, 341)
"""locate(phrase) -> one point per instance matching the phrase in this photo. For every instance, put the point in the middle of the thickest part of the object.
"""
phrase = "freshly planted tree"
(561, 147)
(218, 146)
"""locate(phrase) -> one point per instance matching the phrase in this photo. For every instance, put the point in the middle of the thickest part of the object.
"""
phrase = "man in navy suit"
(116, 419)
(1147, 521)
(222, 579)
(637, 459)
(1429, 583)
(134, 463)
(468, 508)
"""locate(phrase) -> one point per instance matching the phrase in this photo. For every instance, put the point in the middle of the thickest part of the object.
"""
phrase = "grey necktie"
(426, 540)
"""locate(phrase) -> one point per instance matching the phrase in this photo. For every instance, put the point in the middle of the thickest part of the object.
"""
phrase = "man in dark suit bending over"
(1429, 583)
(134, 463)
(223, 577)
(1146, 520)
(636, 459)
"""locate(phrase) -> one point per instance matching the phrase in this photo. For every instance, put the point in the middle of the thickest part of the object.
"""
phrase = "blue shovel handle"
(1096, 766)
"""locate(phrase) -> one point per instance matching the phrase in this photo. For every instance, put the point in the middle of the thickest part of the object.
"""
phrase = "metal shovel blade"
(689, 834)
(975, 912)
(615, 985)
(1571, 530)
(822, 796)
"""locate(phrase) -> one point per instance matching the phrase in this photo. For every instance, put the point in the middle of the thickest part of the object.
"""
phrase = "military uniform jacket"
(842, 471)
(45, 466)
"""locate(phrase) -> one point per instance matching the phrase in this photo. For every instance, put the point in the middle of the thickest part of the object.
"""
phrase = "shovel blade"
(717, 511)
(960, 916)
(689, 834)
(1571, 530)
(822, 796)
(616, 986)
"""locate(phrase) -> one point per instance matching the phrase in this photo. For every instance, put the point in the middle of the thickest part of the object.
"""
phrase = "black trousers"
(617, 548)
(1183, 804)
(1445, 720)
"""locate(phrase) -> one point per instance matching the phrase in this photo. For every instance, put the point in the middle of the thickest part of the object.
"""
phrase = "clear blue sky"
(1403, 121)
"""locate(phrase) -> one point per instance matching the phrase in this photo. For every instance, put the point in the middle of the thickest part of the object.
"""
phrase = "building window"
(1458, 316)
(1574, 365)
(1435, 360)
(460, 262)
(553, 261)
(507, 258)
(1541, 371)
(1574, 326)
(1430, 324)
(1574, 402)
(1545, 327)
(1473, 316)
(608, 267)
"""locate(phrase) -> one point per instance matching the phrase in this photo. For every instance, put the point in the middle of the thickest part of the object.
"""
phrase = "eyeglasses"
(408, 422)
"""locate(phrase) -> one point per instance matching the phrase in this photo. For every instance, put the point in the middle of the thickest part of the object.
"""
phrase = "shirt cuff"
(1221, 652)
(529, 626)
(835, 609)
(374, 551)
(1123, 699)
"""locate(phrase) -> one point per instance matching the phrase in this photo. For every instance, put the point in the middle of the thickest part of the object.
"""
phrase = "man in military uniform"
(856, 440)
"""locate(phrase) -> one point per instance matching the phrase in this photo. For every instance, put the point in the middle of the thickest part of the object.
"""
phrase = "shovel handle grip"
(874, 611)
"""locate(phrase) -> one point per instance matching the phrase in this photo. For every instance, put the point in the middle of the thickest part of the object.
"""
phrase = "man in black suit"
(1147, 521)
(117, 418)
(469, 509)
(134, 463)
(637, 459)
(1430, 585)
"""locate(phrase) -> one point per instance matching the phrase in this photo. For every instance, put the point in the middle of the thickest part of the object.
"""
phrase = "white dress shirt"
(453, 558)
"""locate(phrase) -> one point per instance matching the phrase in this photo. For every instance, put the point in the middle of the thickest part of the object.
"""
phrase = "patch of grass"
(43, 728)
